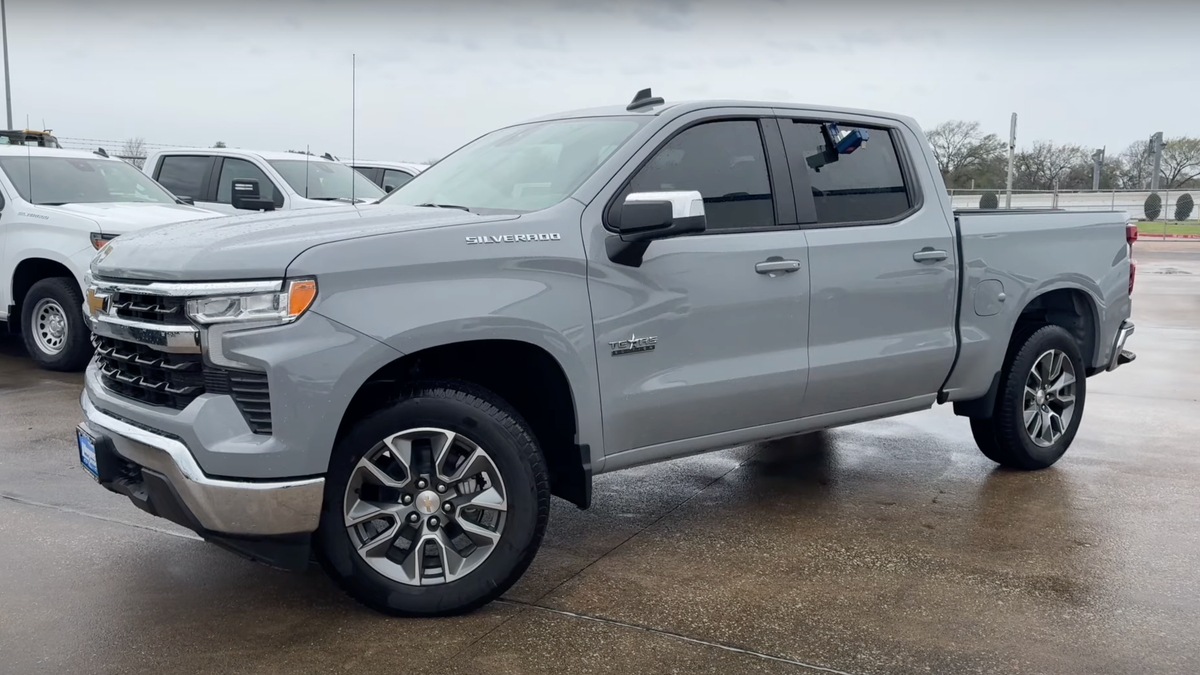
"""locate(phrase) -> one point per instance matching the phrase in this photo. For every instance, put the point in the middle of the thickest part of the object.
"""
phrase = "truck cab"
(286, 180)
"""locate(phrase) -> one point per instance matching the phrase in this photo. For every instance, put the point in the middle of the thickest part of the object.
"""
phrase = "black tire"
(486, 419)
(76, 349)
(1003, 438)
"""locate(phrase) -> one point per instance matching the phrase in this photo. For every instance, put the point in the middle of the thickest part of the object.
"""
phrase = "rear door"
(700, 338)
(881, 264)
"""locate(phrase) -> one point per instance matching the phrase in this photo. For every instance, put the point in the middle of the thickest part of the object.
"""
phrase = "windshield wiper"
(446, 206)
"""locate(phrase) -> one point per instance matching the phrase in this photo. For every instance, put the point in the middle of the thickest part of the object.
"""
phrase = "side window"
(394, 179)
(374, 175)
(866, 185)
(184, 175)
(725, 161)
(233, 169)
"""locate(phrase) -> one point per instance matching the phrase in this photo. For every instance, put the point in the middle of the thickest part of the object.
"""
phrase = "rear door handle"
(777, 266)
(929, 255)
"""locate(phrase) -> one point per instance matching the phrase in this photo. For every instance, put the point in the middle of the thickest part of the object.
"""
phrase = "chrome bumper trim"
(221, 506)
(178, 339)
(1114, 358)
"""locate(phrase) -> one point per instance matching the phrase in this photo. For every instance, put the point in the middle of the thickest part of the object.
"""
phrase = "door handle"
(777, 265)
(929, 255)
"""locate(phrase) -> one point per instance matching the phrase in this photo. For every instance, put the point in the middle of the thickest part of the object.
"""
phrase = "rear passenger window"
(184, 175)
(866, 185)
(726, 163)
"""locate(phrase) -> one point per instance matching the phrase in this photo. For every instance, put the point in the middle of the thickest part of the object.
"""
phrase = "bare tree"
(1180, 161)
(1136, 165)
(1044, 162)
(134, 151)
(962, 150)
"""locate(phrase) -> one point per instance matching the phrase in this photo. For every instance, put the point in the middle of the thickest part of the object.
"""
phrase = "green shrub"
(1183, 207)
(989, 200)
(1153, 206)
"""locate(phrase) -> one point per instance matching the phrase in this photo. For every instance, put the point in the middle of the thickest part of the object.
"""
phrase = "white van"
(57, 208)
(287, 179)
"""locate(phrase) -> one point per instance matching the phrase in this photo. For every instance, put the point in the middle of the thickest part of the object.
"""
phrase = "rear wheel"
(1039, 405)
(52, 325)
(435, 505)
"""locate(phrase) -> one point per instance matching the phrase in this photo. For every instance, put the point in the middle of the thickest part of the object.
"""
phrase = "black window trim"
(781, 187)
(205, 181)
(805, 201)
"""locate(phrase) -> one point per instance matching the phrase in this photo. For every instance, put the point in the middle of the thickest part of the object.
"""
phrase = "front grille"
(164, 309)
(147, 375)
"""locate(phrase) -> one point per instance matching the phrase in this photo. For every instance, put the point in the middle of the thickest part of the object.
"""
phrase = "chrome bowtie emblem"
(428, 502)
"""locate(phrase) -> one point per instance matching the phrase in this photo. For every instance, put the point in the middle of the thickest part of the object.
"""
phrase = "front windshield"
(521, 169)
(325, 180)
(72, 180)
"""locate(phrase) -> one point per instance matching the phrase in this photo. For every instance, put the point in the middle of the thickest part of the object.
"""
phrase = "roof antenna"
(353, 91)
(644, 99)
(101, 152)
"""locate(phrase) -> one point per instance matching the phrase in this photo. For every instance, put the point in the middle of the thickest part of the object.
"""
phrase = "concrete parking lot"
(889, 547)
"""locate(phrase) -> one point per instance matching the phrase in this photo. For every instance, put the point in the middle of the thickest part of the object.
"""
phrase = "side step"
(1125, 356)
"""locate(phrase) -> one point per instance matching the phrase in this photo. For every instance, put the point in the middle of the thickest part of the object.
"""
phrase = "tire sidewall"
(523, 522)
(1043, 340)
(78, 350)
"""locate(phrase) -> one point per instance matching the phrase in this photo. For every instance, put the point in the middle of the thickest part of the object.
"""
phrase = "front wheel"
(435, 505)
(52, 325)
(1039, 405)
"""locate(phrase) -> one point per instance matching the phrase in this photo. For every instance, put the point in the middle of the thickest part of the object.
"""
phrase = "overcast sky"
(433, 75)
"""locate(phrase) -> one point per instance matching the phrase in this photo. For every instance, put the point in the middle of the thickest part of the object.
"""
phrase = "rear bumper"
(1119, 356)
(159, 472)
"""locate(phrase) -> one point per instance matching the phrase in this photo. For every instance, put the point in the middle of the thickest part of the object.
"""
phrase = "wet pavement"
(888, 547)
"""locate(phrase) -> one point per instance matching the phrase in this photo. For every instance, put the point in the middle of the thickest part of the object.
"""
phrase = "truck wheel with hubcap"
(52, 325)
(434, 505)
(1040, 402)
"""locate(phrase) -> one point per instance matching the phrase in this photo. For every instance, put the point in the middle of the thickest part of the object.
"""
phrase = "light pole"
(7, 87)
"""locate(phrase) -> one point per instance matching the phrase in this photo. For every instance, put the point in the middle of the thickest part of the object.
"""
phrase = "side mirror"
(646, 216)
(244, 194)
(186, 200)
(657, 215)
(389, 188)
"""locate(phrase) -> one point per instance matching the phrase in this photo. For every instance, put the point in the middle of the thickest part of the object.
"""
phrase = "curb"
(1168, 236)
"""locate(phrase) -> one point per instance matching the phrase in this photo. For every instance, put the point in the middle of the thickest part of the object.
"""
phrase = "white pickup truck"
(286, 180)
(57, 207)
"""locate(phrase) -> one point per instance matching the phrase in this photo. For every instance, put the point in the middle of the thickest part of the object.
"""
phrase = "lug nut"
(413, 517)
(421, 484)
(407, 499)
(441, 488)
(433, 522)
(447, 507)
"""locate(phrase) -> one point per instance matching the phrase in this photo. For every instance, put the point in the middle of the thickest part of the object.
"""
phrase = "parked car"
(387, 175)
(286, 179)
(57, 207)
(402, 387)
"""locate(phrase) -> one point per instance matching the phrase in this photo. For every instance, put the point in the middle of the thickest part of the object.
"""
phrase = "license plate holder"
(87, 453)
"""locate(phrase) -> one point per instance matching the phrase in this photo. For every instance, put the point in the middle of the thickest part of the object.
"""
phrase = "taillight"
(1131, 234)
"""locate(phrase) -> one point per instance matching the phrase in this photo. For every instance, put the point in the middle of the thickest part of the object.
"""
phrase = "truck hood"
(117, 218)
(260, 245)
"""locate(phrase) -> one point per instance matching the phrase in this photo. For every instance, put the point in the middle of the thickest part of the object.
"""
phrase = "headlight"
(261, 308)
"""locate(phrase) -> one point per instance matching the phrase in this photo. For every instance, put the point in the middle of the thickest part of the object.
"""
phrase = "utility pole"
(7, 88)
(1097, 165)
(1012, 147)
(1156, 148)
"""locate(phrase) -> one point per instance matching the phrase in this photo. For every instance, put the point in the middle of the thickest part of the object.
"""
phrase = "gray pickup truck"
(397, 389)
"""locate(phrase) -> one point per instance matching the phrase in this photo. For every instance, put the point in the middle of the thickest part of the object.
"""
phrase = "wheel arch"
(31, 270)
(525, 374)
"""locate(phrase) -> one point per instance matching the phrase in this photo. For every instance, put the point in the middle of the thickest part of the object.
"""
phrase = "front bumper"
(209, 506)
(1119, 356)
